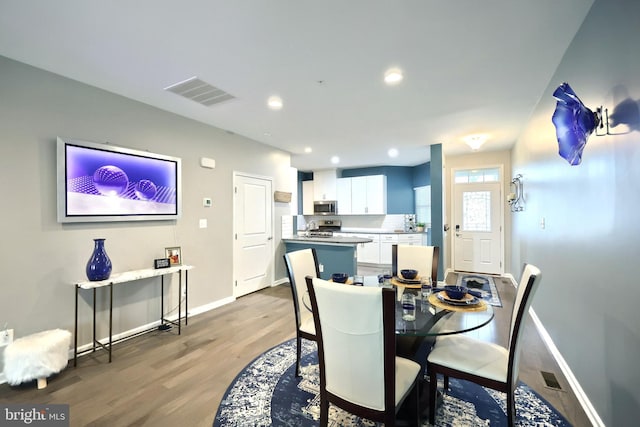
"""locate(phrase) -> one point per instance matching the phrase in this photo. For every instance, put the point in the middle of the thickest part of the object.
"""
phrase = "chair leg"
(416, 390)
(511, 408)
(433, 392)
(446, 383)
(298, 352)
(324, 412)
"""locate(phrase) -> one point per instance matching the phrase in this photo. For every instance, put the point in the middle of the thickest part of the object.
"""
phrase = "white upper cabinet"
(369, 195)
(307, 197)
(324, 185)
(343, 196)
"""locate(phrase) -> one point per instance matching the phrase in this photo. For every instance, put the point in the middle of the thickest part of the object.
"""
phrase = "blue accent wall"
(437, 223)
(421, 175)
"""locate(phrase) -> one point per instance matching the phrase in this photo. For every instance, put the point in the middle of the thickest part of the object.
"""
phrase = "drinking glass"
(358, 280)
(386, 281)
(425, 287)
(408, 307)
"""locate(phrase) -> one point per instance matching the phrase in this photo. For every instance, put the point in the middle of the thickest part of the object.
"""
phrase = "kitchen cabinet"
(411, 239)
(369, 195)
(343, 195)
(386, 242)
(369, 252)
(324, 185)
(307, 197)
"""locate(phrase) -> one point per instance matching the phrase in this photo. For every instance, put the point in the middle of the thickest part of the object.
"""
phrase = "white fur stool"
(36, 356)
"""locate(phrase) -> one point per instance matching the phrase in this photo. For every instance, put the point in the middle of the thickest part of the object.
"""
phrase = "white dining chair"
(300, 264)
(482, 362)
(422, 258)
(359, 369)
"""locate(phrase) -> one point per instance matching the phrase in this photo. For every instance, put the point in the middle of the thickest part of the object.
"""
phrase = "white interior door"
(253, 234)
(477, 228)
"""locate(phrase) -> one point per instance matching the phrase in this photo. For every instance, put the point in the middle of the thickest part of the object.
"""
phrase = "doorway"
(253, 233)
(478, 221)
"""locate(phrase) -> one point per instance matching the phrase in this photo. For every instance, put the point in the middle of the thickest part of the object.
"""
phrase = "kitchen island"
(335, 254)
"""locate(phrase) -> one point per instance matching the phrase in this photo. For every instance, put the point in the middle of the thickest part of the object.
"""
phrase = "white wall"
(588, 251)
(40, 258)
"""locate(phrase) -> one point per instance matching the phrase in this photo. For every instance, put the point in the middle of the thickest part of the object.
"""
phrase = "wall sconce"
(516, 199)
(604, 129)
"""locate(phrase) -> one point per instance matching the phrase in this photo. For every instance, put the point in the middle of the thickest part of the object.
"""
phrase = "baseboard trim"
(123, 336)
(280, 282)
(131, 333)
(564, 367)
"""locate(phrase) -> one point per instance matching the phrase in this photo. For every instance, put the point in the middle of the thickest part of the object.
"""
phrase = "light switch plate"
(206, 202)
(203, 223)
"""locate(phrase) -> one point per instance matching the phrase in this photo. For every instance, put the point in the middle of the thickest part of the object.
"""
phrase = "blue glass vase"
(99, 265)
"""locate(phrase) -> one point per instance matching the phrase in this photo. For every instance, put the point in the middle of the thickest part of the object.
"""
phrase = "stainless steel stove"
(326, 228)
(321, 234)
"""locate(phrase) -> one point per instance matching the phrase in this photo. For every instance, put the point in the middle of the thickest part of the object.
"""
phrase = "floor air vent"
(200, 92)
(550, 380)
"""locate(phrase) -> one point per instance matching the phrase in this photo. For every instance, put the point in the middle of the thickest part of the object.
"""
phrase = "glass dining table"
(432, 320)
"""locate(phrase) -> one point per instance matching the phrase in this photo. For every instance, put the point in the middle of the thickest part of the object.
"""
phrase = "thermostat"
(206, 202)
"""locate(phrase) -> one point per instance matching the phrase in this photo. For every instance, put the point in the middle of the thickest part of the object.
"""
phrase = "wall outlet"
(6, 337)
(321, 268)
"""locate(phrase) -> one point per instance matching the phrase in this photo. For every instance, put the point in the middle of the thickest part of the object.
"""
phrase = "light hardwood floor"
(162, 379)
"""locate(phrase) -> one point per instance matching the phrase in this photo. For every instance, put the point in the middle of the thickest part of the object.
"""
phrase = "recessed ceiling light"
(275, 102)
(393, 152)
(267, 134)
(393, 76)
(335, 160)
(475, 141)
(307, 149)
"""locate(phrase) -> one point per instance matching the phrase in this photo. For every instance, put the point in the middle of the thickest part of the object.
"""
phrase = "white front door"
(253, 234)
(477, 227)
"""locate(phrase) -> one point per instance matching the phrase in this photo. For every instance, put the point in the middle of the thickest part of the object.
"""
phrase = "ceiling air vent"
(200, 92)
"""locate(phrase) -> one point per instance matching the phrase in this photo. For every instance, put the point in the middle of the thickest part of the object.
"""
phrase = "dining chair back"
(422, 258)
(359, 370)
(300, 264)
(482, 362)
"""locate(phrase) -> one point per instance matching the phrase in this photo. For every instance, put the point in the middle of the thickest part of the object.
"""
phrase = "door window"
(476, 211)
(471, 176)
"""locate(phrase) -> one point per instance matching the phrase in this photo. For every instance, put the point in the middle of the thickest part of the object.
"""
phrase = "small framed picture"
(174, 254)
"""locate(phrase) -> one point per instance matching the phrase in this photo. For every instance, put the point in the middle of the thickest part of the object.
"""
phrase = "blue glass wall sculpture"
(574, 123)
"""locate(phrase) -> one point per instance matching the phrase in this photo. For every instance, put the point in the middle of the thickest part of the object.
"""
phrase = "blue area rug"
(267, 393)
(483, 284)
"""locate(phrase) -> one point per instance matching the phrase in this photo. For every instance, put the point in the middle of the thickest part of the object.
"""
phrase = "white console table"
(123, 278)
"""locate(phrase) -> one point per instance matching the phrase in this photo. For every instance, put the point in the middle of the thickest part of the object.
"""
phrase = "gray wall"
(589, 248)
(40, 258)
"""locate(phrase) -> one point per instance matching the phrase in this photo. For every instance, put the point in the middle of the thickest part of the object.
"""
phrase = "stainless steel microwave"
(325, 207)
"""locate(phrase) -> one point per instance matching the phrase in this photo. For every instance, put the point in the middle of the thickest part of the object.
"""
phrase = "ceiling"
(469, 66)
